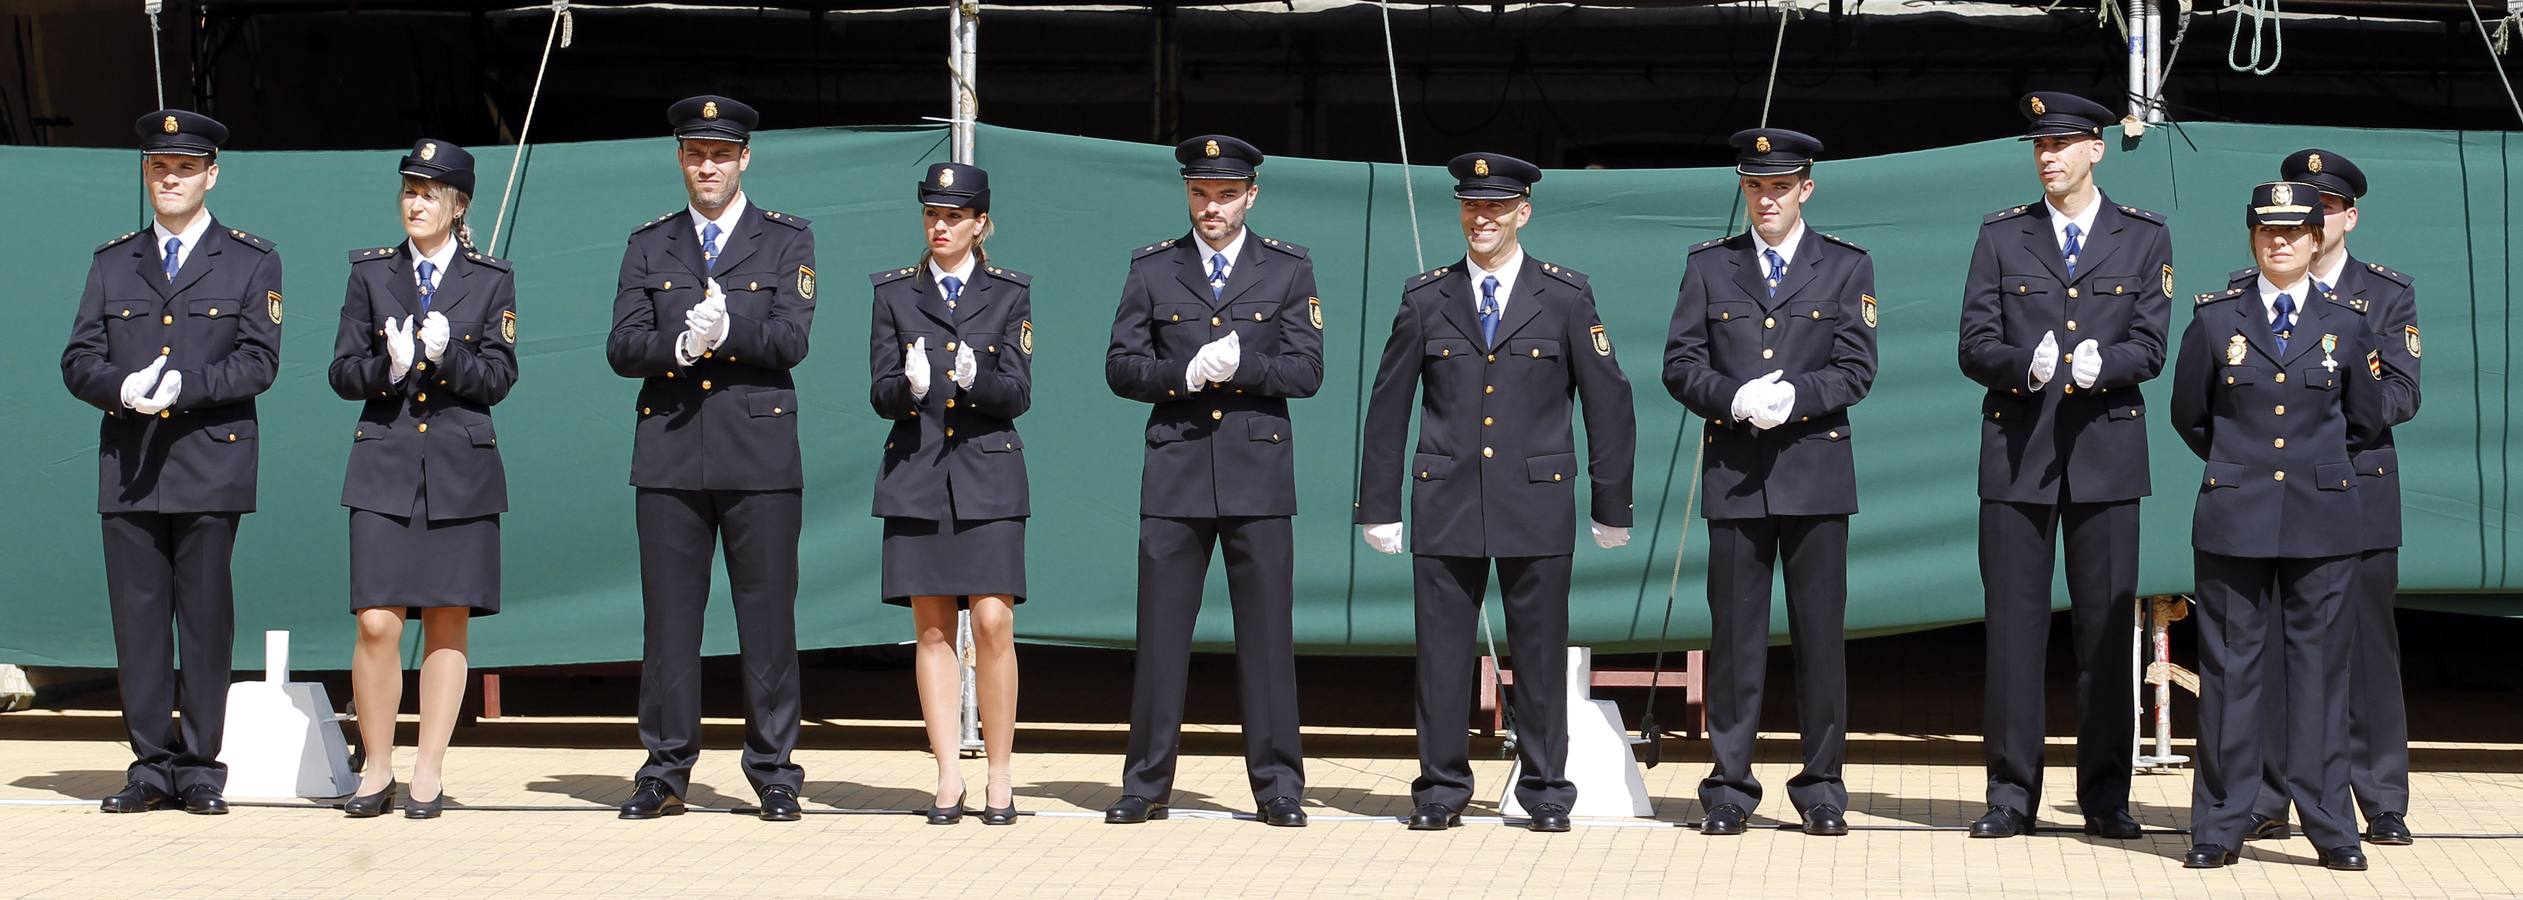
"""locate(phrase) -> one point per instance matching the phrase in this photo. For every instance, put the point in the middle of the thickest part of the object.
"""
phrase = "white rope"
(157, 60)
(1410, 198)
(2265, 12)
(1776, 50)
(563, 29)
(2493, 50)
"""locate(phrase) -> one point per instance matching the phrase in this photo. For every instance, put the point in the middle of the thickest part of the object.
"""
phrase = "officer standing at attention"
(178, 330)
(711, 313)
(1773, 340)
(1507, 346)
(2277, 387)
(2378, 717)
(1217, 330)
(2063, 316)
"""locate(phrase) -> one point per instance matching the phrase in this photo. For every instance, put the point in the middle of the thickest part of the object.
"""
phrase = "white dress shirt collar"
(2301, 291)
(1506, 276)
(438, 261)
(192, 238)
(2084, 221)
(726, 220)
(1786, 249)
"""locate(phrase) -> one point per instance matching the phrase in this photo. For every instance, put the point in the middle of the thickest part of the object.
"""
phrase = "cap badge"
(429, 151)
(169, 125)
(2038, 108)
(2282, 194)
(1210, 149)
(709, 109)
(2313, 164)
(945, 178)
(1480, 167)
(1761, 144)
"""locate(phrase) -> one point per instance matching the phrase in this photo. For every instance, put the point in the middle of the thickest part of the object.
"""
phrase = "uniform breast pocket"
(2027, 285)
(781, 403)
(1534, 349)
(1252, 313)
(1448, 349)
(983, 343)
(1813, 311)
(750, 299)
(1005, 443)
(2117, 285)
(1732, 314)
(1181, 314)
(216, 319)
(674, 294)
(2319, 379)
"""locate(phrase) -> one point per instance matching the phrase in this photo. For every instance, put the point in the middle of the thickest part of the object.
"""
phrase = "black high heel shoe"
(948, 815)
(370, 806)
(998, 815)
(429, 809)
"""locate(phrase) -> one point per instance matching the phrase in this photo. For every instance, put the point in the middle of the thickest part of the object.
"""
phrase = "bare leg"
(994, 652)
(441, 694)
(941, 681)
(376, 688)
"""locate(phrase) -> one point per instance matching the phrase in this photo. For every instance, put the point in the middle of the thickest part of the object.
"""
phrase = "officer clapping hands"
(433, 334)
(705, 325)
(1216, 362)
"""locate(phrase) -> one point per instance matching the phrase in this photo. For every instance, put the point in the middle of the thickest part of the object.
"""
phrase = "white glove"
(433, 336)
(398, 348)
(1774, 408)
(1609, 536)
(136, 385)
(915, 368)
(1749, 397)
(2088, 364)
(2045, 359)
(165, 397)
(1230, 356)
(965, 367)
(1385, 538)
(716, 300)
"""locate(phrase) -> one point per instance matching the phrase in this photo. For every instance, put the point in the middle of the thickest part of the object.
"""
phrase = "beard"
(715, 195)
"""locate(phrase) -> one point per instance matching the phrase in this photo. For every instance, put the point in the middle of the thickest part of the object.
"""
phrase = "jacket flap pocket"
(1808, 309)
(1170, 313)
(483, 436)
(214, 308)
(1167, 432)
(1732, 310)
(2378, 462)
(2319, 379)
(1431, 467)
(1551, 467)
(1448, 348)
(1005, 442)
(2334, 476)
(781, 402)
(2118, 287)
(1534, 348)
(1272, 429)
(2222, 474)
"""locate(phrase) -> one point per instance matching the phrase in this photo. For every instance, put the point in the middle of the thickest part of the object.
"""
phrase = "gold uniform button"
(1257, 317)
(1007, 445)
(2378, 470)
(166, 351)
(1493, 357)
(713, 354)
(1487, 421)
(1536, 352)
(2280, 443)
(1217, 414)
(1767, 353)
(2229, 379)
(1555, 476)
(423, 398)
(2282, 378)
(2071, 324)
(669, 286)
(950, 403)
(1769, 322)
(2067, 389)
(1178, 317)
(214, 312)
(1487, 452)
(1169, 392)
(358, 434)
(127, 312)
(422, 428)
(166, 320)
(644, 411)
(670, 375)
(420, 367)
(2281, 475)
(166, 414)
(950, 432)
(2281, 410)
(232, 437)
(1995, 416)
(1215, 321)
(753, 285)
(1445, 352)
(2071, 292)
(2211, 481)
(1835, 435)
(1423, 476)
(705, 384)
(950, 346)
(1489, 389)
(1817, 315)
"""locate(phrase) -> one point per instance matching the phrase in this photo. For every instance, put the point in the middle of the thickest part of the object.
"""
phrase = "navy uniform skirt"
(412, 562)
(925, 558)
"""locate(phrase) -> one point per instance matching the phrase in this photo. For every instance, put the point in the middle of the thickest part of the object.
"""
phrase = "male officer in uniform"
(178, 330)
(2063, 316)
(1506, 346)
(1217, 329)
(2378, 719)
(1773, 340)
(711, 313)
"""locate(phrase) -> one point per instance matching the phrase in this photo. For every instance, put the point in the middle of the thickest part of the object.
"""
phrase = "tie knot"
(428, 272)
(173, 245)
(954, 286)
(1217, 267)
(2073, 231)
(2286, 303)
(710, 232)
(1489, 287)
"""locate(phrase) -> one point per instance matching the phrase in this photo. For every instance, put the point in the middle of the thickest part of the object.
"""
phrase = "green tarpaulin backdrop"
(2444, 208)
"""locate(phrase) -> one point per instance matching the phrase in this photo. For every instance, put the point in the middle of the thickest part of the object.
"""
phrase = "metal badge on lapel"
(2234, 350)
(1314, 311)
(2168, 279)
(508, 325)
(1025, 336)
(1869, 301)
(1602, 342)
(2409, 337)
(271, 305)
(806, 282)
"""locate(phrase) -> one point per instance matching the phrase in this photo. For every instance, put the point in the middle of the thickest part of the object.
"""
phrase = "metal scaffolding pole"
(2146, 68)
(963, 57)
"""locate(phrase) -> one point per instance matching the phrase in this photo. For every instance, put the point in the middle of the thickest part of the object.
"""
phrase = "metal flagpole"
(963, 41)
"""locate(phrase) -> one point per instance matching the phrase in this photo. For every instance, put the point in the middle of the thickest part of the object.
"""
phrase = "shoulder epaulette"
(2356, 303)
(2246, 273)
(2388, 274)
(885, 275)
(485, 260)
(1295, 250)
(797, 222)
(1844, 242)
(1009, 275)
(1573, 277)
(652, 223)
(250, 239)
(2146, 214)
(1710, 244)
(2214, 296)
(108, 245)
(1426, 278)
(1144, 252)
(365, 254)
(2005, 214)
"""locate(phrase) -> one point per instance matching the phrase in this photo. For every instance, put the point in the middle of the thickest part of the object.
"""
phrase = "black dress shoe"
(1724, 818)
(1133, 809)
(1435, 817)
(2390, 830)
(370, 806)
(2115, 825)
(1283, 812)
(2264, 828)
(204, 800)
(137, 797)
(1825, 821)
(948, 814)
(2207, 856)
(1548, 818)
(2000, 822)
(999, 815)
(651, 800)
(2343, 859)
(779, 803)
(425, 809)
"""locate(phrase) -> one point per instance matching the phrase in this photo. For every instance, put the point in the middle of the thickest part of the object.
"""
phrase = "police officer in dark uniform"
(1217, 330)
(426, 345)
(950, 358)
(2378, 717)
(2064, 314)
(712, 311)
(1773, 340)
(2277, 387)
(178, 330)
(1507, 347)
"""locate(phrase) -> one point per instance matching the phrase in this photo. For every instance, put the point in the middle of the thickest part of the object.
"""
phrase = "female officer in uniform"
(2278, 382)
(951, 352)
(427, 344)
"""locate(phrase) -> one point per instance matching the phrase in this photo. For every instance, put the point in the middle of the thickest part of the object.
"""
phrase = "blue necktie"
(954, 288)
(2071, 249)
(1217, 277)
(173, 262)
(1778, 270)
(709, 246)
(428, 283)
(1489, 310)
(2285, 322)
